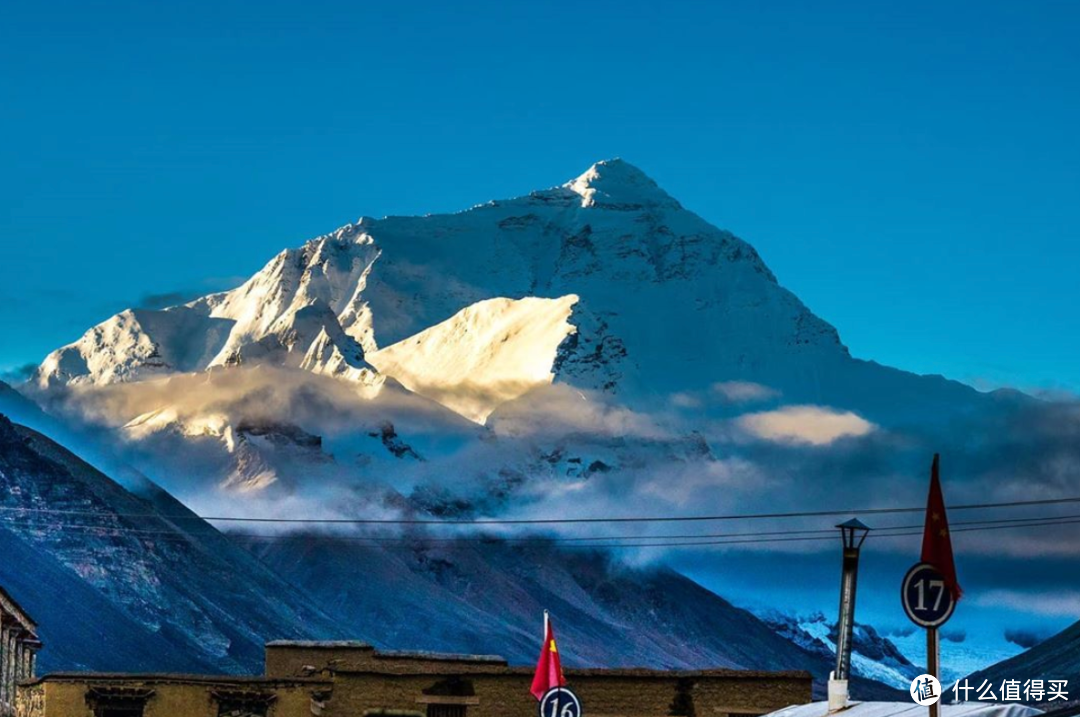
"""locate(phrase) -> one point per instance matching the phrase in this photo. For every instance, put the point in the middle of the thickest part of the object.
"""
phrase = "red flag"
(548, 669)
(936, 542)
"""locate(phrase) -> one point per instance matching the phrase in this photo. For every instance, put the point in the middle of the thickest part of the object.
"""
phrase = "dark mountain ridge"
(166, 589)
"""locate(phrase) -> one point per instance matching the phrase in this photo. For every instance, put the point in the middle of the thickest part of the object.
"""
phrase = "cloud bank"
(1026, 639)
(813, 425)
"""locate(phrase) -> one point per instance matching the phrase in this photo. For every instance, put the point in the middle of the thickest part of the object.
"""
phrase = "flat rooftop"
(322, 644)
(438, 656)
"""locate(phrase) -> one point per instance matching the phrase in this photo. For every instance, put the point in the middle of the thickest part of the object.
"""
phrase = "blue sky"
(910, 170)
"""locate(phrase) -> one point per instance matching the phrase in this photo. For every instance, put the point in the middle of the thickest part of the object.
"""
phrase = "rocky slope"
(1057, 658)
(118, 581)
(485, 595)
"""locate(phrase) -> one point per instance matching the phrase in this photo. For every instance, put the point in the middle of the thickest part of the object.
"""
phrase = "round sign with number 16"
(560, 702)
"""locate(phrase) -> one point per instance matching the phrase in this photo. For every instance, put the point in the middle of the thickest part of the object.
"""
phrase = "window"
(119, 712)
(449, 697)
(243, 703)
(118, 701)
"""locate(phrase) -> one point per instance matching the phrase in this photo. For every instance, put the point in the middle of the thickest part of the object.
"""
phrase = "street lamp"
(853, 533)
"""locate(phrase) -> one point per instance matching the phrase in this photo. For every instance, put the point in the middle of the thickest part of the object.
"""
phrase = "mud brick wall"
(178, 697)
(354, 681)
(505, 695)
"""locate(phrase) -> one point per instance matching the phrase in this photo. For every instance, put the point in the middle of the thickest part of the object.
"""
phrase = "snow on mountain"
(274, 317)
(257, 451)
(611, 237)
(136, 344)
(873, 657)
(600, 309)
(485, 355)
(618, 185)
(252, 429)
(985, 657)
(340, 357)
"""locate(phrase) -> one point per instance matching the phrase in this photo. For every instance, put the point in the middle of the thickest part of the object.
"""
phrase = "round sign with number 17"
(927, 599)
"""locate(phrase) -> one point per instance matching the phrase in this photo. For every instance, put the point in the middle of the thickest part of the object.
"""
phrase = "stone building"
(351, 679)
(18, 650)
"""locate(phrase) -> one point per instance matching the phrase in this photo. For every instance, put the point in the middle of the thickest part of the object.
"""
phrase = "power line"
(644, 541)
(879, 531)
(407, 538)
(649, 519)
(750, 538)
(552, 521)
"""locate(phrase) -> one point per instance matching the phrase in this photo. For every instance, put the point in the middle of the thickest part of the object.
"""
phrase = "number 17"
(921, 588)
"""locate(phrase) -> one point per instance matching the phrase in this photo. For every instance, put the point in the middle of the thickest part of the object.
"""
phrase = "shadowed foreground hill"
(121, 582)
(126, 582)
(488, 597)
(1058, 658)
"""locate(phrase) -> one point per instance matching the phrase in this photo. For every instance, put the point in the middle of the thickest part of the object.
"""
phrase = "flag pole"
(558, 697)
(933, 660)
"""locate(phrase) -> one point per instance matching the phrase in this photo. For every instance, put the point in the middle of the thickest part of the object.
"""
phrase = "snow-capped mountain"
(623, 290)
(597, 309)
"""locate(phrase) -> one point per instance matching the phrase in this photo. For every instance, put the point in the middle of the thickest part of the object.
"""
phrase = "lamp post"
(853, 533)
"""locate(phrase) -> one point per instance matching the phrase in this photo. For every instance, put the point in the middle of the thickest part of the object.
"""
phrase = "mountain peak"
(615, 183)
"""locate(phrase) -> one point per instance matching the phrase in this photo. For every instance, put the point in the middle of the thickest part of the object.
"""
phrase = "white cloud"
(559, 409)
(814, 425)
(744, 391)
(691, 487)
(1052, 603)
(685, 400)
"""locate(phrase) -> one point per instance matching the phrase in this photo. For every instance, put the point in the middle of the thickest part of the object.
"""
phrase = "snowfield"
(483, 356)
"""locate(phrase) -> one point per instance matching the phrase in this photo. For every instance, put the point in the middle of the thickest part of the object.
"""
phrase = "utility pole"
(933, 663)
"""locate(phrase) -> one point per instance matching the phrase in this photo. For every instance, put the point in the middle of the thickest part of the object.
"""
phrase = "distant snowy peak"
(328, 273)
(274, 317)
(133, 345)
(615, 184)
(664, 302)
(332, 353)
